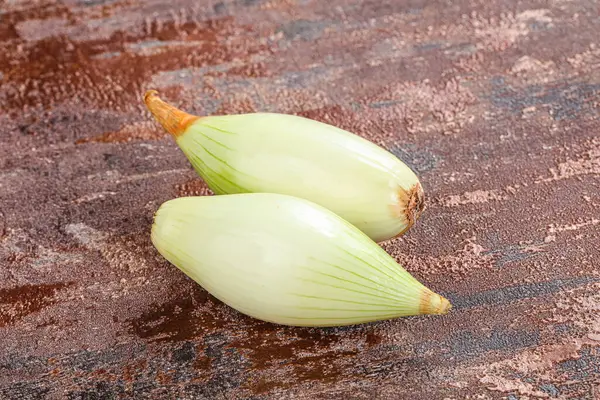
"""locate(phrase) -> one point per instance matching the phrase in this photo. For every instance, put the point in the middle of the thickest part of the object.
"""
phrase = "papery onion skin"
(287, 260)
(279, 153)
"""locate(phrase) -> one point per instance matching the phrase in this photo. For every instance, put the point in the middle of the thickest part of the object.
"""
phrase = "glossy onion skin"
(358, 180)
(287, 260)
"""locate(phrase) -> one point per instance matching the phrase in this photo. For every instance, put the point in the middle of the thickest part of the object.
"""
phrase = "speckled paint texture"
(495, 104)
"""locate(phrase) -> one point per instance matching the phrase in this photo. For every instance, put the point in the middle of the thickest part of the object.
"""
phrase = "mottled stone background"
(494, 103)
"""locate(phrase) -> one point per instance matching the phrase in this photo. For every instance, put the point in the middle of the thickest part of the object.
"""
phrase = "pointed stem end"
(433, 303)
(172, 119)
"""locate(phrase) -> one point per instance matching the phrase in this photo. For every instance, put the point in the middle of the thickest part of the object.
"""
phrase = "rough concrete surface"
(495, 104)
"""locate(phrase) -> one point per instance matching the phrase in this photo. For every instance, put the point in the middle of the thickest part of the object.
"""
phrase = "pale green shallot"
(279, 153)
(287, 260)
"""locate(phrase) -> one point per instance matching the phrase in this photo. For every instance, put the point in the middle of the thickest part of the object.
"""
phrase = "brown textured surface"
(493, 103)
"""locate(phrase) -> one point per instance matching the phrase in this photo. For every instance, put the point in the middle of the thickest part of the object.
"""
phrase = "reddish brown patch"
(163, 378)
(8, 27)
(57, 69)
(373, 339)
(177, 320)
(345, 119)
(132, 371)
(17, 303)
(265, 385)
(242, 105)
(330, 115)
(137, 131)
(193, 187)
(323, 368)
(202, 363)
(251, 70)
(267, 348)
